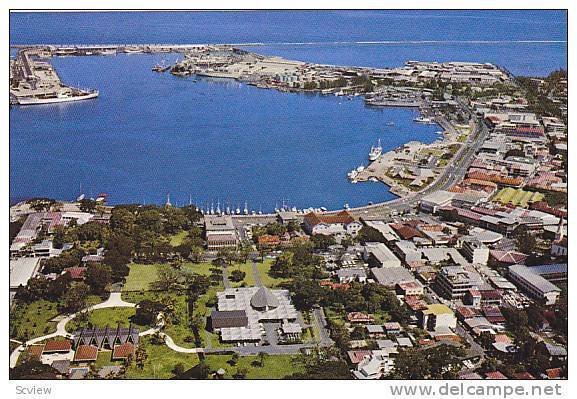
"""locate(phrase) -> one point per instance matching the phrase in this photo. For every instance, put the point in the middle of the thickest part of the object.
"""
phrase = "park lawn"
(33, 320)
(178, 327)
(105, 359)
(248, 280)
(176, 239)
(140, 277)
(265, 277)
(275, 366)
(198, 268)
(160, 362)
(103, 317)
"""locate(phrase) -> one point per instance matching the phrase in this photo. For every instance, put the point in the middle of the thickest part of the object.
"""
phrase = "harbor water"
(151, 134)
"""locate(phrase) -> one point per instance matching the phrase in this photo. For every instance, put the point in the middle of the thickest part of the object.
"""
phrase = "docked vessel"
(425, 120)
(376, 151)
(57, 97)
(352, 175)
(161, 67)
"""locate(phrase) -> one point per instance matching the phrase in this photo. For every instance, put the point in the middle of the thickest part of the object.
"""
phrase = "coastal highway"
(452, 174)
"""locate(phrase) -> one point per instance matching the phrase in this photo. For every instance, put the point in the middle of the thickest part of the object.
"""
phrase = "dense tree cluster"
(438, 362)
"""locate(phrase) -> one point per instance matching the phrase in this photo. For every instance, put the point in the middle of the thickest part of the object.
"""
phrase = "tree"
(261, 358)
(147, 311)
(33, 370)
(234, 359)
(98, 276)
(370, 234)
(88, 205)
(321, 364)
(526, 242)
(237, 275)
(322, 242)
(140, 356)
(241, 373)
(441, 361)
(486, 339)
(122, 220)
(306, 293)
(150, 219)
(75, 298)
(178, 370)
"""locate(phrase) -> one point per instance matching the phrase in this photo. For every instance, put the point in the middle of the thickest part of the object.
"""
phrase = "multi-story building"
(455, 281)
(220, 232)
(534, 284)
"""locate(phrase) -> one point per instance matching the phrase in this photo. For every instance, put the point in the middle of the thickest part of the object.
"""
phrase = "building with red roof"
(85, 353)
(357, 356)
(495, 375)
(339, 223)
(57, 346)
(35, 351)
(121, 352)
(76, 273)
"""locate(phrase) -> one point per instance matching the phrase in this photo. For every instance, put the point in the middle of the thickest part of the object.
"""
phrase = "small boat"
(390, 124)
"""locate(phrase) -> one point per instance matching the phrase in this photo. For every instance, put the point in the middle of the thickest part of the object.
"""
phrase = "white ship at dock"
(57, 97)
(376, 151)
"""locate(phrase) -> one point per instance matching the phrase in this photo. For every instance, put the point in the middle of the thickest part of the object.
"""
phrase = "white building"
(341, 223)
(437, 316)
(533, 284)
(474, 250)
(379, 255)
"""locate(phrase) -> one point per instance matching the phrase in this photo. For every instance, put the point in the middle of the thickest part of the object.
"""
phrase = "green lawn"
(160, 362)
(140, 277)
(105, 359)
(103, 317)
(275, 366)
(199, 268)
(247, 269)
(267, 280)
(177, 239)
(32, 320)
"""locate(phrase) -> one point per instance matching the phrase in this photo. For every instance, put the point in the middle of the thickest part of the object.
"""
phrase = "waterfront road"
(452, 174)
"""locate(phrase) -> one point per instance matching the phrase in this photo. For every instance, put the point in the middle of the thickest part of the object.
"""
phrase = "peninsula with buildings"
(464, 276)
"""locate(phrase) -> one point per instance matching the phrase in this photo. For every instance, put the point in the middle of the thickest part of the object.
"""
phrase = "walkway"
(113, 301)
(170, 343)
(256, 274)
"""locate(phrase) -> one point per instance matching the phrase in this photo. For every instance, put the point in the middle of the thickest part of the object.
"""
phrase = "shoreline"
(195, 63)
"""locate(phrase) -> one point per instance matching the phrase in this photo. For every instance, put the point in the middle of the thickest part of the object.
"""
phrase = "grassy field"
(199, 268)
(267, 280)
(140, 277)
(247, 269)
(160, 362)
(102, 317)
(177, 239)
(32, 320)
(275, 366)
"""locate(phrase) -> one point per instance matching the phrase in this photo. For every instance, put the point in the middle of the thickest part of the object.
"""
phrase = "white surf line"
(386, 42)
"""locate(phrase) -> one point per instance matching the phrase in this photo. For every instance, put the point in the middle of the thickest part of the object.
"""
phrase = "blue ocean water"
(151, 134)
